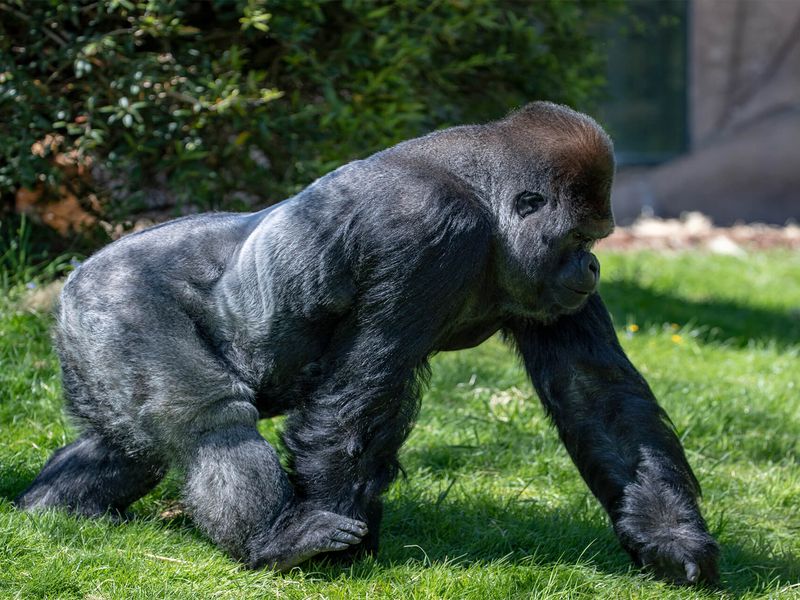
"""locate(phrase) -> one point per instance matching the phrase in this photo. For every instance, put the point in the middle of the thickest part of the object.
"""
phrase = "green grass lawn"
(492, 506)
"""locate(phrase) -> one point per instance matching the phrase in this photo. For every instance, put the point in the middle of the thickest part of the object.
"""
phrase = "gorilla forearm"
(344, 440)
(621, 441)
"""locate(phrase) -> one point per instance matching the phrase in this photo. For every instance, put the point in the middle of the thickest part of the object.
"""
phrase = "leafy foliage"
(230, 103)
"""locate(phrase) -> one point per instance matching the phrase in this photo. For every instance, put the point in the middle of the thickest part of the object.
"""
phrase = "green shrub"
(235, 103)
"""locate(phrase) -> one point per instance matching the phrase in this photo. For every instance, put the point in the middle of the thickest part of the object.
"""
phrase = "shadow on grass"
(459, 534)
(14, 479)
(484, 529)
(720, 320)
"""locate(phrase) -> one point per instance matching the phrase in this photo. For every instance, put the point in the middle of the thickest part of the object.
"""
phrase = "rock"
(722, 244)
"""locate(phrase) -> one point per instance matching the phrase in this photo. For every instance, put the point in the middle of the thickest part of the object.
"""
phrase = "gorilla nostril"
(591, 265)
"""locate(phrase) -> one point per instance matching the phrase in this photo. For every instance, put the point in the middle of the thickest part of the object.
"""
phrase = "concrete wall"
(744, 98)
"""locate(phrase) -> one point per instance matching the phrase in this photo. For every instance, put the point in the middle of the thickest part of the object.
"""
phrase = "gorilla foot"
(41, 498)
(315, 532)
(90, 478)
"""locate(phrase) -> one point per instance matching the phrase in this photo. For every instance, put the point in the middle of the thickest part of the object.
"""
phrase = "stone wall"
(744, 98)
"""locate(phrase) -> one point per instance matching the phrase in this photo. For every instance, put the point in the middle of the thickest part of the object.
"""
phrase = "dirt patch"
(694, 230)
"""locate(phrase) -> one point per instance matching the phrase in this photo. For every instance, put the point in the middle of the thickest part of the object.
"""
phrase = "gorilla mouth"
(571, 298)
(581, 292)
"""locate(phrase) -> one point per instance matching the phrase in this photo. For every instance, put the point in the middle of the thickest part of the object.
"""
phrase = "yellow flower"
(633, 328)
(676, 338)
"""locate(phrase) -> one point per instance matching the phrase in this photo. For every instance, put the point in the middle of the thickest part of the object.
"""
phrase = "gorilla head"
(553, 204)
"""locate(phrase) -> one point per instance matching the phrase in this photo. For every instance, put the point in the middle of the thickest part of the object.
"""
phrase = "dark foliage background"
(234, 104)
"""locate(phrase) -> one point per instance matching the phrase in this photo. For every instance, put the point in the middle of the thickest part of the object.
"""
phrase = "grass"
(492, 506)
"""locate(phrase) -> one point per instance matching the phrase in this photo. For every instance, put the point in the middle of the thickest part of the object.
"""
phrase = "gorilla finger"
(347, 538)
(692, 572)
(336, 546)
(354, 526)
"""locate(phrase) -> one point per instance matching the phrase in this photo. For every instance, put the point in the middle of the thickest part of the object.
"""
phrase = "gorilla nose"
(583, 280)
(590, 267)
(591, 264)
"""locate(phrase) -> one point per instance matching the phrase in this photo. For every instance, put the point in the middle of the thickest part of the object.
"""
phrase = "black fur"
(327, 306)
(622, 442)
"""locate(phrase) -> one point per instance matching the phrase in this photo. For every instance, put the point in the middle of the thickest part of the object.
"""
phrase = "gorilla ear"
(528, 203)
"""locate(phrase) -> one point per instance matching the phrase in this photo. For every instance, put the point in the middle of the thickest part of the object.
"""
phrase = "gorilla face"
(548, 267)
(554, 203)
(551, 250)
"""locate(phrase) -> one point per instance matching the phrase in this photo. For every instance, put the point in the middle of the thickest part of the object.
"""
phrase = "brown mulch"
(695, 230)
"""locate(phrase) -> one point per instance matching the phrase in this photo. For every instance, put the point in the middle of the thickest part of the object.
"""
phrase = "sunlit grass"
(492, 506)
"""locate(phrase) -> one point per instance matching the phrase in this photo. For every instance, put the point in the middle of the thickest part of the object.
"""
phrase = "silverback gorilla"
(174, 341)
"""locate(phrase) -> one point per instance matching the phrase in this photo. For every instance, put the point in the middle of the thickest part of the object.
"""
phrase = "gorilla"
(326, 307)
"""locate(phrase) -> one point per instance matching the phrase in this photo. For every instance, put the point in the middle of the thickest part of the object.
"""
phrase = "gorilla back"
(327, 306)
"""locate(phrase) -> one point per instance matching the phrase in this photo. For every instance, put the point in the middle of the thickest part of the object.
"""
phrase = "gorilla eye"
(528, 203)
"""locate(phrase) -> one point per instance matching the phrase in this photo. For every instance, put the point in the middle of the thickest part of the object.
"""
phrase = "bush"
(235, 103)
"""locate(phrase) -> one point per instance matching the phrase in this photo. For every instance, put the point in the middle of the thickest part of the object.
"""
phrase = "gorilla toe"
(315, 532)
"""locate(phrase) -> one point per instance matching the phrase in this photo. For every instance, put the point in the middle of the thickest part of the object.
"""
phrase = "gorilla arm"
(621, 440)
(414, 272)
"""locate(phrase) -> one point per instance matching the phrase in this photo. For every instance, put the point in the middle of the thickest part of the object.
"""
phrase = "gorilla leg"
(91, 477)
(240, 496)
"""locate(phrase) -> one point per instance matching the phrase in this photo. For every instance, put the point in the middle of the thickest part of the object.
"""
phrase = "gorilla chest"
(476, 320)
(468, 334)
